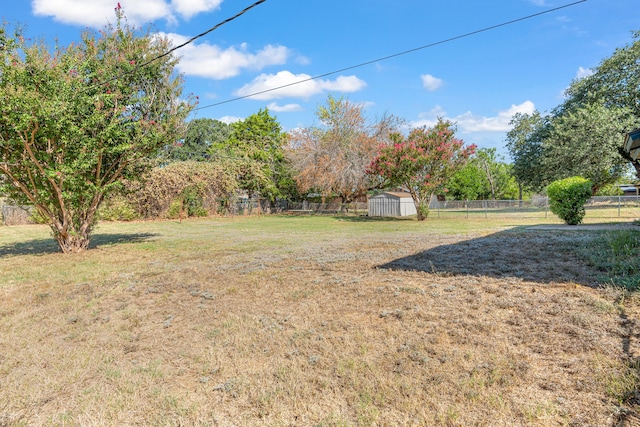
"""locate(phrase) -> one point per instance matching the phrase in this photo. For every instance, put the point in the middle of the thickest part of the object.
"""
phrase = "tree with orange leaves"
(333, 159)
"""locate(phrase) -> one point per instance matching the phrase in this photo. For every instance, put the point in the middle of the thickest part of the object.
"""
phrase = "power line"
(384, 58)
(215, 27)
(191, 40)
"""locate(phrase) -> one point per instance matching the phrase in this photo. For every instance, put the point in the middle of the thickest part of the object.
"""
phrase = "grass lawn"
(320, 321)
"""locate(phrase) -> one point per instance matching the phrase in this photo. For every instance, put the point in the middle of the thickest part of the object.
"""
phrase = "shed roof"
(397, 194)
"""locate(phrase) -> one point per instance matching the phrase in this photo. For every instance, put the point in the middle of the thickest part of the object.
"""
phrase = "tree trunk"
(71, 242)
(72, 236)
(422, 205)
(519, 194)
(636, 166)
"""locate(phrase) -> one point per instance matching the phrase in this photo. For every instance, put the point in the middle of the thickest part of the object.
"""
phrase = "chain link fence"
(537, 207)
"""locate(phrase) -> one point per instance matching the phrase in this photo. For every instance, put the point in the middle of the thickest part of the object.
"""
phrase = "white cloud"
(189, 8)
(97, 13)
(289, 86)
(468, 122)
(583, 72)
(284, 108)
(342, 84)
(212, 61)
(429, 118)
(431, 83)
(302, 60)
(538, 2)
(230, 119)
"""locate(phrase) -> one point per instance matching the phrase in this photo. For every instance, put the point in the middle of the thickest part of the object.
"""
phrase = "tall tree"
(615, 82)
(469, 183)
(333, 159)
(525, 142)
(201, 134)
(257, 146)
(75, 121)
(584, 142)
(485, 176)
(611, 92)
(423, 163)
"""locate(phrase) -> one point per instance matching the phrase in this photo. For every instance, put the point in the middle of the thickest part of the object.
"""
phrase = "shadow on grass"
(49, 246)
(534, 255)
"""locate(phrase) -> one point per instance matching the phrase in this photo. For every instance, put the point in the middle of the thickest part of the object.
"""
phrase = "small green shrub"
(117, 208)
(175, 209)
(567, 198)
(193, 197)
(423, 209)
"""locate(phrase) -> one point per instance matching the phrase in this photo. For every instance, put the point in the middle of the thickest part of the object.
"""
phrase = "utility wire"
(215, 27)
(191, 40)
(384, 58)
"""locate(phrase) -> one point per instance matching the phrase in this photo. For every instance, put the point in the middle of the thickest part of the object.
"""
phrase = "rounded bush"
(117, 207)
(567, 198)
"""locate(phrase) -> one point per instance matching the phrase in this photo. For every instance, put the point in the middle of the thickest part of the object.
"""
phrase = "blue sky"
(477, 81)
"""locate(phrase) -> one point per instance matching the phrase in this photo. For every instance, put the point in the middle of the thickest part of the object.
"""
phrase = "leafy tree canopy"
(614, 83)
(201, 134)
(485, 176)
(74, 121)
(257, 145)
(585, 142)
(583, 135)
(525, 142)
(332, 159)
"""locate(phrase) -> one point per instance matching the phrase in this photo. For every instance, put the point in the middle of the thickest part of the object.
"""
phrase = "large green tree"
(584, 141)
(423, 163)
(76, 120)
(201, 134)
(525, 142)
(256, 144)
(614, 85)
(583, 135)
(469, 183)
(485, 176)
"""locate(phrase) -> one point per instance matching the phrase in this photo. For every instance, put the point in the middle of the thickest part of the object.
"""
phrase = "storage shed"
(392, 204)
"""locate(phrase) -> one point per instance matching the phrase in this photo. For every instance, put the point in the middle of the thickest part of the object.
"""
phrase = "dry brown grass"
(312, 322)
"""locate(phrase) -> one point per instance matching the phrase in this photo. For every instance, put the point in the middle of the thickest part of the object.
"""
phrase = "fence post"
(619, 199)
